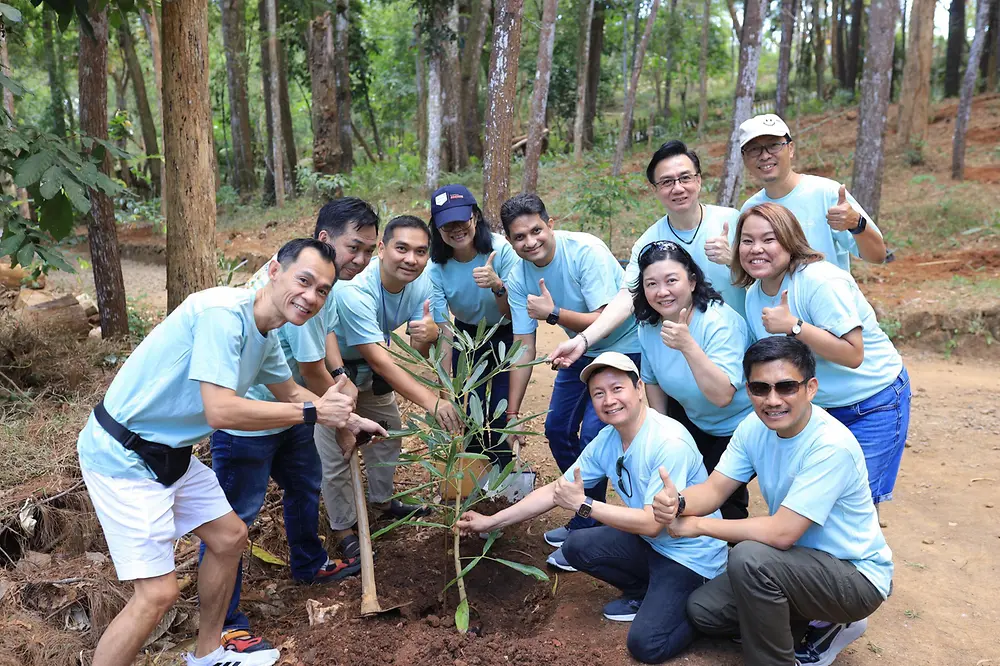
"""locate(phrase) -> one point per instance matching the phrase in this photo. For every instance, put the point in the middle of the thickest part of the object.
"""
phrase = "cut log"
(63, 314)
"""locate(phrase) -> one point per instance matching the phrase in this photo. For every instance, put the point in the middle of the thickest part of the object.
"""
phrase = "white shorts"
(142, 518)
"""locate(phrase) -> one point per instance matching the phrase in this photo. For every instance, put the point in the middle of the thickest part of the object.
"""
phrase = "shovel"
(518, 484)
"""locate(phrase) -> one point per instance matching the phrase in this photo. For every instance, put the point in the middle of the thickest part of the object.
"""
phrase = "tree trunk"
(8, 105)
(422, 90)
(625, 134)
(57, 96)
(593, 71)
(988, 62)
(876, 87)
(269, 122)
(342, 27)
(853, 53)
(322, 71)
(120, 75)
(746, 85)
(839, 28)
(785, 55)
(274, 87)
(915, 97)
(737, 28)
(434, 111)
(706, 21)
(234, 43)
(819, 44)
(146, 121)
(956, 45)
(471, 65)
(453, 126)
(500, 91)
(669, 65)
(540, 95)
(371, 121)
(151, 25)
(108, 282)
(188, 149)
(582, 75)
(968, 88)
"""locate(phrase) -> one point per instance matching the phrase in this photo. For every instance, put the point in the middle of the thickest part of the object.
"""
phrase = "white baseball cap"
(767, 124)
(609, 359)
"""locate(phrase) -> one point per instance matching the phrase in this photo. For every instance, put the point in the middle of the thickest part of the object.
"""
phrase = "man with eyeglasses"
(833, 221)
(819, 555)
(637, 450)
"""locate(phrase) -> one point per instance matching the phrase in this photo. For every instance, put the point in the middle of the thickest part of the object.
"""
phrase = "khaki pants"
(337, 493)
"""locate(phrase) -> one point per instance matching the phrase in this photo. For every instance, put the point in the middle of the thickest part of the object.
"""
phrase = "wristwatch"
(586, 508)
(501, 292)
(681, 504)
(796, 328)
(338, 371)
(553, 317)
(860, 229)
(308, 413)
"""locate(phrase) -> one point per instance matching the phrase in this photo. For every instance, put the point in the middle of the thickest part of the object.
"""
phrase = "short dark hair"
(526, 203)
(780, 348)
(335, 215)
(671, 148)
(703, 294)
(482, 240)
(404, 222)
(631, 375)
(290, 251)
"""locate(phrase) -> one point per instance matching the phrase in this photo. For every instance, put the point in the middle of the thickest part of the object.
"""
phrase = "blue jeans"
(880, 424)
(243, 466)
(571, 424)
(499, 454)
(661, 628)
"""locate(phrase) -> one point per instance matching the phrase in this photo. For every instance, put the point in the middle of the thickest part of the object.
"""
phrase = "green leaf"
(11, 243)
(526, 569)
(266, 556)
(77, 196)
(52, 181)
(13, 86)
(10, 13)
(55, 216)
(26, 254)
(468, 567)
(476, 409)
(462, 616)
(31, 169)
(54, 259)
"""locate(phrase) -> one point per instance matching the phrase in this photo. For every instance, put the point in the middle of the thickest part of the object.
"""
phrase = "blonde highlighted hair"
(787, 231)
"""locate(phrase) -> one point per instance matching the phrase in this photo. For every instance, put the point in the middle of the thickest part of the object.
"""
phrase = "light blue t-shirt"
(809, 202)
(821, 475)
(452, 286)
(723, 336)
(827, 297)
(211, 337)
(582, 276)
(660, 442)
(693, 241)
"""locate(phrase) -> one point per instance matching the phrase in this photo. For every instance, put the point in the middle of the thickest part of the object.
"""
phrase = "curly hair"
(704, 293)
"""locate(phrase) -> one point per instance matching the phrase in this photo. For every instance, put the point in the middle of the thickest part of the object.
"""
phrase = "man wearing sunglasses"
(820, 554)
(631, 551)
(833, 221)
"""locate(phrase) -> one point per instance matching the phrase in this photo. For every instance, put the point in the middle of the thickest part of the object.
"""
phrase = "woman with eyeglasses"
(692, 351)
(792, 291)
(469, 266)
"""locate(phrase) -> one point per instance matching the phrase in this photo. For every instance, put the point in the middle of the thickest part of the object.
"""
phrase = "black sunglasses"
(668, 246)
(619, 468)
(784, 388)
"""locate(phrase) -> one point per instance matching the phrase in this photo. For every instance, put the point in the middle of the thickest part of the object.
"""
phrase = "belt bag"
(167, 463)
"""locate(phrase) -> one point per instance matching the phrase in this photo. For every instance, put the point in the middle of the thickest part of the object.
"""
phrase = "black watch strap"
(308, 413)
(860, 229)
(338, 371)
(553, 317)
(681, 504)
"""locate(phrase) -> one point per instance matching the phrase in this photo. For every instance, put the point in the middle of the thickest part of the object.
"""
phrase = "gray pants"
(768, 596)
(337, 493)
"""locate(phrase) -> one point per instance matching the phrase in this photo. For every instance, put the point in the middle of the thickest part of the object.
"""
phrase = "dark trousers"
(499, 453)
(712, 447)
(661, 628)
(768, 596)
(243, 466)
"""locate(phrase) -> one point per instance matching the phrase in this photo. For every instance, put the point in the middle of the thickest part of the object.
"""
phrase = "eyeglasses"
(753, 152)
(619, 468)
(452, 227)
(784, 388)
(666, 246)
(668, 183)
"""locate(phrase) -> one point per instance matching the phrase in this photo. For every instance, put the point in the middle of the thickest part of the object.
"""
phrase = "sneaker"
(821, 645)
(350, 547)
(337, 570)
(397, 509)
(556, 537)
(241, 640)
(223, 657)
(558, 560)
(622, 610)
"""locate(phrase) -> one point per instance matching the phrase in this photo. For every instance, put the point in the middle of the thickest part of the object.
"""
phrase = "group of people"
(756, 352)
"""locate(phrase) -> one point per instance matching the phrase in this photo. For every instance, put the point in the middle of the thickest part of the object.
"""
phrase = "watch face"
(584, 511)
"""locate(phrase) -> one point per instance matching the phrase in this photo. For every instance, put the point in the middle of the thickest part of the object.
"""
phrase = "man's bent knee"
(704, 615)
(643, 650)
(747, 556)
(225, 536)
(157, 594)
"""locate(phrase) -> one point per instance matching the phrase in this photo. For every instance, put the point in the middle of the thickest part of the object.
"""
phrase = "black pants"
(712, 448)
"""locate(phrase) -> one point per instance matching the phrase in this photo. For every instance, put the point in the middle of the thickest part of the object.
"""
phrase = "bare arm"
(578, 321)
(711, 380)
(656, 398)
(224, 410)
(779, 531)
(871, 245)
(848, 350)
(611, 317)
(535, 504)
(700, 499)
(633, 521)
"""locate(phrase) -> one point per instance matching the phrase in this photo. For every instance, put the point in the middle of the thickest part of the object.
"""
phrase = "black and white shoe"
(821, 645)
(223, 657)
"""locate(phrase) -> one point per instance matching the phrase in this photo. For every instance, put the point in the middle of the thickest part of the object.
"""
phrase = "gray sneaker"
(556, 537)
(622, 610)
(558, 560)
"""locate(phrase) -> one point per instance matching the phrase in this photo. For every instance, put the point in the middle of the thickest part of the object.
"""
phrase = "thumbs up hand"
(841, 217)
(779, 319)
(540, 307)
(424, 331)
(676, 335)
(665, 501)
(486, 276)
(570, 495)
(717, 248)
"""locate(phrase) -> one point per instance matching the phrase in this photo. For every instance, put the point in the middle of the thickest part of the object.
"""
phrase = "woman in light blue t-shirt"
(793, 291)
(468, 270)
(692, 348)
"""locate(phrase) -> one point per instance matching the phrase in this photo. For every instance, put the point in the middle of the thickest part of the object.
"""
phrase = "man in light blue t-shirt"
(820, 555)
(187, 378)
(834, 223)
(564, 278)
(655, 572)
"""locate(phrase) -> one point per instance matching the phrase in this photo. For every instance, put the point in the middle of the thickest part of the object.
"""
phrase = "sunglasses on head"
(668, 246)
(785, 388)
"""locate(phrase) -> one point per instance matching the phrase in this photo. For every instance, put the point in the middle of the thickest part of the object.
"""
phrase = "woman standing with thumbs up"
(793, 291)
(469, 267)
(692, 351)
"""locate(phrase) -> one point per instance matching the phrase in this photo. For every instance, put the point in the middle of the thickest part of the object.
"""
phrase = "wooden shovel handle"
(369, 596)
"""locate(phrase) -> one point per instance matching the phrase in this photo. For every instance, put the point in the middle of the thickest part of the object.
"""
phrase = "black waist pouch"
(167, 463)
